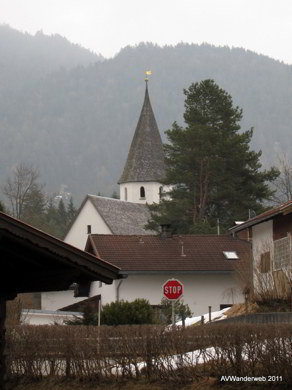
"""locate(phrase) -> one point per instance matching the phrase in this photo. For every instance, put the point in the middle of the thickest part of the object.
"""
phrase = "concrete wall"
(77, 235)
(200, 291)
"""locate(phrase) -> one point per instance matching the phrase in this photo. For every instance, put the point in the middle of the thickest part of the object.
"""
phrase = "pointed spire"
(146, 157)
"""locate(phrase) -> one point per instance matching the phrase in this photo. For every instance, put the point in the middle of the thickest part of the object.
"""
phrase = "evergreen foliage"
(213, 173)
(181, 311)
(127, 313)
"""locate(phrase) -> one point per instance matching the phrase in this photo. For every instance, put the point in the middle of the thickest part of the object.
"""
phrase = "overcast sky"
(105, 26)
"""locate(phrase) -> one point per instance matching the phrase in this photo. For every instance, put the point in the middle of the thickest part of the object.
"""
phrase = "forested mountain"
(76, 122)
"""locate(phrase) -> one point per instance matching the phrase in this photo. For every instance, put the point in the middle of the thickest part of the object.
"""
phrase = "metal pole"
(172, 312)
(210, 308)
(99, 305)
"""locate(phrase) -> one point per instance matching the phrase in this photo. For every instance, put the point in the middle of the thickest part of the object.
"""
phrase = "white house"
(270, 235)
(205, 264)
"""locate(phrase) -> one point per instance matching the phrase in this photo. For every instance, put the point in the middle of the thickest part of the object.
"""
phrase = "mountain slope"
(77, 124)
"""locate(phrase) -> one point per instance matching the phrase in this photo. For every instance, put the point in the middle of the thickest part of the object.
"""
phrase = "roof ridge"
(115, 199)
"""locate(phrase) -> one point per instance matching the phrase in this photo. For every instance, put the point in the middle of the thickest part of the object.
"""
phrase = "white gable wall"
(77, 235)
(200, 291)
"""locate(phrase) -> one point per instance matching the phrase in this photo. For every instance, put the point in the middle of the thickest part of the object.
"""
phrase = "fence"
(153, 352)
(261, 318)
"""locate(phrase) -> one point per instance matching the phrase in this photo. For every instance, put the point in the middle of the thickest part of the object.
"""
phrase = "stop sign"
(173, 289)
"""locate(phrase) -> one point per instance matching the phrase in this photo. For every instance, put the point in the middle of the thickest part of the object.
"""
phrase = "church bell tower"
(140, 181)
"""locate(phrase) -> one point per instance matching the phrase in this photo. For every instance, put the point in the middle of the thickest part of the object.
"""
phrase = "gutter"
(118, 290)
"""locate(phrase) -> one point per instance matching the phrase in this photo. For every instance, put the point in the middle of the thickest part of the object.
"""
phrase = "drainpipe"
(118, 290)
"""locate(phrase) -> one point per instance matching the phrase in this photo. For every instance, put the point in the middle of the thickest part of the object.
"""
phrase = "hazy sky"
(105, 26)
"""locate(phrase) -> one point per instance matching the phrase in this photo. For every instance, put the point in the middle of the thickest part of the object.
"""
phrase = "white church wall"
(77, 235)
(131, 192)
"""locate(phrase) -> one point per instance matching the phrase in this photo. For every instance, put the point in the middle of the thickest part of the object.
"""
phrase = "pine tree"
(213, 173)
(71, 211)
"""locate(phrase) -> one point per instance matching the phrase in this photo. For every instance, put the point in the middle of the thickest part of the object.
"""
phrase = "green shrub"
(127, 313)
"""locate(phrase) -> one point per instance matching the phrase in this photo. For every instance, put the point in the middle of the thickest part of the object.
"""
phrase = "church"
(140, 184)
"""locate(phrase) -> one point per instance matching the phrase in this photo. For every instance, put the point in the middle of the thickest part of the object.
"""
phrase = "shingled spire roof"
(146, 157)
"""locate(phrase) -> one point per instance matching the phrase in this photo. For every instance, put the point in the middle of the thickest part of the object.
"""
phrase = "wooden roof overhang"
(33, 261)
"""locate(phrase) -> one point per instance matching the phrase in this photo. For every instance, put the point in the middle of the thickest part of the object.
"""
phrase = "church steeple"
(145, 161)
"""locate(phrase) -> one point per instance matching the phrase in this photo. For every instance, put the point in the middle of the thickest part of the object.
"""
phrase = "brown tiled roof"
(146, 157)
(184, 253)
(284, 208)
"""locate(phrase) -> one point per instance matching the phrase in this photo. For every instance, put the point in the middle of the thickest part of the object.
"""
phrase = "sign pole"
(172, 312)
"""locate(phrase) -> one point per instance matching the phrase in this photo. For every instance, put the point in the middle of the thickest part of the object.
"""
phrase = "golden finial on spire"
(147, 73)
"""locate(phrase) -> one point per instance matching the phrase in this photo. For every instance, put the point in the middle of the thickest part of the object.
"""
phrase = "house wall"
(262, 240)
(200, 291)
(77, 235)
(107, 291)
(55, 300)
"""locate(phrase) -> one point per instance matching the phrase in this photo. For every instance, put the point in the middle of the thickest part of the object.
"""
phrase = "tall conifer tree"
(214, 174)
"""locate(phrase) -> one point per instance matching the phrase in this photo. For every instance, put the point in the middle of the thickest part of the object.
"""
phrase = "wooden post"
(210, 315)
(3, 374)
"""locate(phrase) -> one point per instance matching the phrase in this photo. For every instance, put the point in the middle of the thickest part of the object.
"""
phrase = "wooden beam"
(3, 374)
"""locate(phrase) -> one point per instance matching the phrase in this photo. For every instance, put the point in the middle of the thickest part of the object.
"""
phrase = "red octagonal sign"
(173, 289)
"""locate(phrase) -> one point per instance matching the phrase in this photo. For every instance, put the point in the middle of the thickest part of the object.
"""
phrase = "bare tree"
(284, 182)
(20, 187)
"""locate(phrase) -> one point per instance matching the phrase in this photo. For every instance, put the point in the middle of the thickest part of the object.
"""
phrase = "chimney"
(165, 231)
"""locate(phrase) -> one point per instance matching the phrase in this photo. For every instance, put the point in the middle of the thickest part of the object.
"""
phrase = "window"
(88, 229)
(230, 255)
(142, 193)
(126, 193)
(282, 253)
(265, 265)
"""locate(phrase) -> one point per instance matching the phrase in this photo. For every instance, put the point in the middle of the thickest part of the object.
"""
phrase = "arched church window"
(126, 193)
(142, 192)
